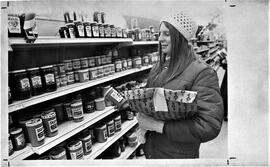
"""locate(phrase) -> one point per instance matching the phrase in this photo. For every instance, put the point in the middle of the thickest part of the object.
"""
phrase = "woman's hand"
(148, 123)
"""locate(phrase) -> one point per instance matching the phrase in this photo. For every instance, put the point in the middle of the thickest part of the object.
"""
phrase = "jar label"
(25, 85)
(118, 66)
(91, 62)
(14, 25)
(104, 60)
(101, 31)
(113, 32)
(70, 78)
(88, 31)
(71, 32)
(77, 112)
(80, 30)
(111, 130)
(10, 146)
(49, 78)
(68, 66)
(124, 64)
(94, 74)
(62, 154)
(76, 64)
(129, 63)
(138, 62)
(118, 124)
(108, 32)
(63, 80)
(90, 106)
(116, 96)
(105, 134)
(86, 76)
(20, 141)
(57, 80)
(36, 81)
(76, 75)
(77, 155)
(65, 34)
(84, 64)
(40, 133)
(88, 146)
(68, 112)
(95, 31)
(53, 125)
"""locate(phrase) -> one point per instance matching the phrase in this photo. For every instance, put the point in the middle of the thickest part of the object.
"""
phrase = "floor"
(215, 149)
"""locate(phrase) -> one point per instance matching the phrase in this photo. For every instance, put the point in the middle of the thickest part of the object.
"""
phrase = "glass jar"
(97, 60)
(85, 137)
(57, 81)
(20, 85)
(91, 62)
(17, 138)
(76, 64)
(103, 59)
(119, 32)
(100, 72)
(100, 104)
(55, 69)
(101, 30)
(59, 111)
(83, 75)
(113, 31)
(137, 62)
(63, 80)
(48, 79)
(118, 65)
(35, 81)
(61, 68)
(101, 133)
(63, 32)
(67, 111)
(129, 63)
(124, 64)
(75, 150)
(77, 110)
(71, 30)
(92, 73)
(84, 63)
(95, 30)
(110, 128)
(68, 65)
(109, 59)
(107, 30)
(10, 146)
(87, 29)
(145, 60)
(50, 123)
(58, 153)
(35, 130)
(138, 35)
(124, 33)
(76, 76)
(79, 29)
(117, 123)
(70, 78)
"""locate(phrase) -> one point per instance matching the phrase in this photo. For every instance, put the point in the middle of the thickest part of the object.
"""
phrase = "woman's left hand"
(148, 123)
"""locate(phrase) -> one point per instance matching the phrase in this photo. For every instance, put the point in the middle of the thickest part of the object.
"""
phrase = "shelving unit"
(137, 43)
(65, 130)
(128, 151)
(71, 88)
(203, 50)
(98, 148)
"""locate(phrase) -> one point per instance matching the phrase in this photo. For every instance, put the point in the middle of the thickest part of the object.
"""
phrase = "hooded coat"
(182, 138)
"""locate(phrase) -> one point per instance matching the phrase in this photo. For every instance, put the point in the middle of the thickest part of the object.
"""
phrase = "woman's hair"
(181, 56)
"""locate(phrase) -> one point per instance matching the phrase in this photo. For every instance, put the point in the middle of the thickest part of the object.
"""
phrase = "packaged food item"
(117, 123)
(83, 75)
(84, 63)
(118, 65)
(70, 77)
(35, 81)
(77, 110)
(63, 80)
(68, 65)
(100, 104)
(50, 123)
(48, 78)
(63, 32)
(107, 30)
(17, 139)
(76, 64)
(58, 153)
(87, 29)
(79, 29)
(93, 73)
(91, 62)
(75, 150)
(110, 127)
(85, 137)
(101, 30)
(10, 146)
(71, 30)
(67, 111)
(101, 133)
(61, 68)
(95, 30)
(35, 130)
(59, 111)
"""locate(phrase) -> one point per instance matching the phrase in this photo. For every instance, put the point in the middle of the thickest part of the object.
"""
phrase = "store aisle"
(217, 148)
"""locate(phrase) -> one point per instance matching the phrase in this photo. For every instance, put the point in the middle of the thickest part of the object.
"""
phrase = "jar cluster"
(144, 34)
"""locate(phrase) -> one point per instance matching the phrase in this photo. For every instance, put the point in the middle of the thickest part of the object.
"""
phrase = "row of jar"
(144, 34)
(79, 29)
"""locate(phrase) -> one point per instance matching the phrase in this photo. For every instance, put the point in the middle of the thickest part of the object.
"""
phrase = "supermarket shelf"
(128, 151)
(70, 128)
(98, 148)
(203, 50)
(213, 50)
(70, 88)
(22, 154)
(137, 43)
(56, 41)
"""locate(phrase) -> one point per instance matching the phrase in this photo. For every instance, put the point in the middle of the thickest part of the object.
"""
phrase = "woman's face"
(165, 39)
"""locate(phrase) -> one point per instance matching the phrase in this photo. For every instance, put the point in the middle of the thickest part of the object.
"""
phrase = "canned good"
(20, 85)
(35, 130)
(76, 64)
(77, 110)
(117, 123)
(100, 104)
(118, 65)
(61, 68)
(84, 63)
(101, 133)
(50, 123)
(17, 138)
(95, 30)
(87, 29)
(35, 81)
(85, 137)
(79, 29)
(75, 150)
(110, 128)
(93, 73)
(63, 80)
(68, 65)
(91, 62)
(70, 77)
(83, 75)
(71, 30)
(58, 153)
(48, 78)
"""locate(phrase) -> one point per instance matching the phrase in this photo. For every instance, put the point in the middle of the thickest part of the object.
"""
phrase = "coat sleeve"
(206, 124)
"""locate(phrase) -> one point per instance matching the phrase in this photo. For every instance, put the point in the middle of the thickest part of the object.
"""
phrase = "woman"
(180, 70)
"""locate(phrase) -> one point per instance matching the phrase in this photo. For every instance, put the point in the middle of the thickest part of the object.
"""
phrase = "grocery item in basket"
(179, 104)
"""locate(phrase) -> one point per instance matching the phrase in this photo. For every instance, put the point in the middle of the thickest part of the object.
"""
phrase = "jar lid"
(45, 67)
(99, 99)
(117, 117)
(33, 122)
(99, 24)
(76, 103)
(63, 26)
(61, 64)
(84, 70)
(46, 115)
(32, 69)
(110, 122)
(15, 131)
(17, 71)
(64, 61)
(74, 145)
(84, 58)
(75, 59)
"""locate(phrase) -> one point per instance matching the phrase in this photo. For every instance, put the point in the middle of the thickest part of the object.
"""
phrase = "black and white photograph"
(134, 83)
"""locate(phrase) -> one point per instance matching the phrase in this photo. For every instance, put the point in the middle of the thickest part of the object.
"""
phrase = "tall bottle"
(70, 25)
(79, 28)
